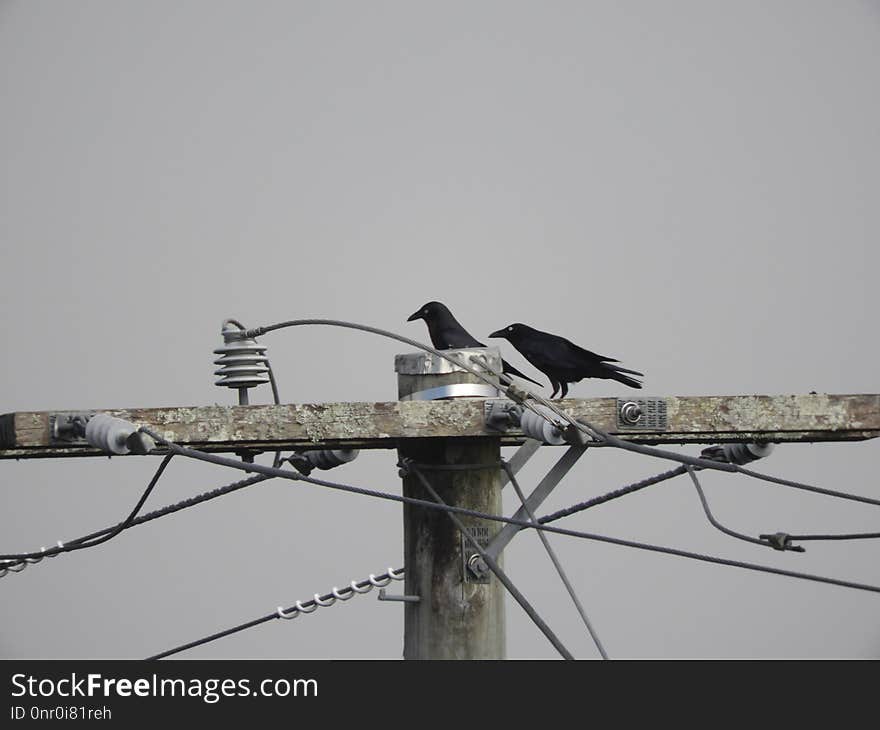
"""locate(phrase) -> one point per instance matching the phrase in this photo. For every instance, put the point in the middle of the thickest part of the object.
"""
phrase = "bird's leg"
(564, 390)
(555, 388)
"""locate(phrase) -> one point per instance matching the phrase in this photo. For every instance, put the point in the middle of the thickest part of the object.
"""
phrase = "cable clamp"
(404, 466)
(781, 541)
(517, 395)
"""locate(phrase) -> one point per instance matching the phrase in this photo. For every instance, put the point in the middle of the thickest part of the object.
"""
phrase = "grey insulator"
(109, 433)
(243, 360)
(305, 461)
(329, 458)
(738, 453)
(539, 428)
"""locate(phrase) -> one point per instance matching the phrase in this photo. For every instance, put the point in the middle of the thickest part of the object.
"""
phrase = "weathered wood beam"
(690, 419)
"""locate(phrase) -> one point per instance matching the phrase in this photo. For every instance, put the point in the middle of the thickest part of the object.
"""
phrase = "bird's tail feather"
(614, 372)
(619, 369)
(626, 380)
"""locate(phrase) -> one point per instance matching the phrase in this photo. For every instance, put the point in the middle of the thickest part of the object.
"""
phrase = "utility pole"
(460, 611)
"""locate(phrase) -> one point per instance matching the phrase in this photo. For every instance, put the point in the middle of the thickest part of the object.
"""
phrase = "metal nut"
(630, 412)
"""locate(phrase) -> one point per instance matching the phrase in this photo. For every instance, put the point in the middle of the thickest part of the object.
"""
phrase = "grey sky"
(689, 186)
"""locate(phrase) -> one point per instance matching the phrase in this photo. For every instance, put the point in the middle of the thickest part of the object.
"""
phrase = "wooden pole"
(460, 614)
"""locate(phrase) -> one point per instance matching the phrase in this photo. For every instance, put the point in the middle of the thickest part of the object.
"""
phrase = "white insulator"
(742, 453)
(329, 458)
(109, 433)
(243, 360)
(539, 428)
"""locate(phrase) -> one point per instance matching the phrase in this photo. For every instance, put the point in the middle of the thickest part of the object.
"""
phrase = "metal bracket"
(383, 596)
(641, 414)
(519, 459)
(473, 567)
(68, 428)
(501, 414)
(454, 390)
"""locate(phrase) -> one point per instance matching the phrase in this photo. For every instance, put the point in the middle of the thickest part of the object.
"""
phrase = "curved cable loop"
(339, 596)
(302, 609)
(365, 589)
(293, 613)
(396, 576)
(726, 530)
(521, 393)
(378, 582)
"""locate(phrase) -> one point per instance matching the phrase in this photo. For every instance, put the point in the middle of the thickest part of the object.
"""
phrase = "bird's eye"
(510, 329)
(424, 311)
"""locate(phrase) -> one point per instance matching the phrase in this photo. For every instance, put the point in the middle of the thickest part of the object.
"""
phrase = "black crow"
(562, 361)
(447, 334)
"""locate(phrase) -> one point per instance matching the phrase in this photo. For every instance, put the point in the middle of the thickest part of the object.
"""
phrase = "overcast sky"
(688, 186)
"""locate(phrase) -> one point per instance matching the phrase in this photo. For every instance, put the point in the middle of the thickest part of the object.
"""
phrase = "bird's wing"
(459, 337)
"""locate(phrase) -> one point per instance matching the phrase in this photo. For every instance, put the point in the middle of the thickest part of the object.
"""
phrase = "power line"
(85, 542)
(259, 468)
(722, 528)
(849, 536)
(613, 495)
(155, 514)
(522, 395)
(550, 552)
(300, 607)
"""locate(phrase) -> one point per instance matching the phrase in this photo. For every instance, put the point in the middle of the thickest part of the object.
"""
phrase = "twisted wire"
(601, 499)
(298, 608)
(148, 516)
(82, 543)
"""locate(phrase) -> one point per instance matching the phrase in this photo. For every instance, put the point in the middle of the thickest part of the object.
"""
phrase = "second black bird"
(447, 334)
(563, 361)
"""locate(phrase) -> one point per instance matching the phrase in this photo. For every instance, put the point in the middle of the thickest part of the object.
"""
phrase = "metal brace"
(383, 596)
(540, 493)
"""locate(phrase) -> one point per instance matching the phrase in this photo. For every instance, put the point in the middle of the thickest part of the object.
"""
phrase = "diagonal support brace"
(534, 500)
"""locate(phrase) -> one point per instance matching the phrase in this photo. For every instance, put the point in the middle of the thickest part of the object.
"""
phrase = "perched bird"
(562, 361)
(447, 334)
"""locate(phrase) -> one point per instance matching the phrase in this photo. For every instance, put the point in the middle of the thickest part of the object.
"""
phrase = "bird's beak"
(499, 333)
(414, 316)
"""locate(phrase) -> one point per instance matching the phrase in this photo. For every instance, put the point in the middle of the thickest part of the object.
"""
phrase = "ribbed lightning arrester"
(242, 361)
